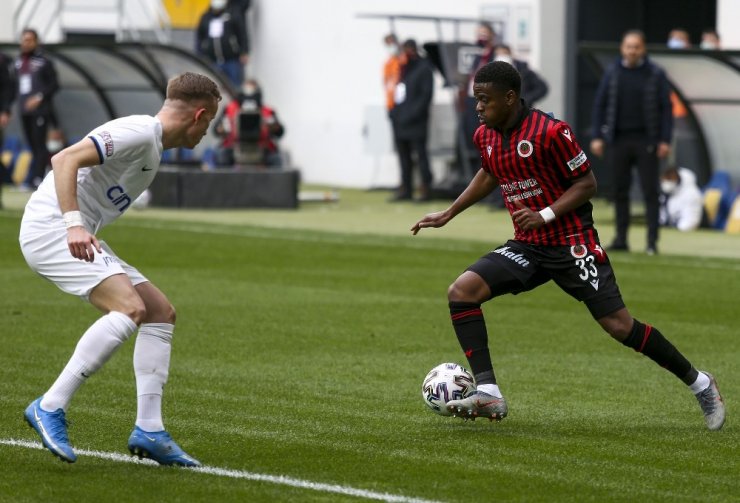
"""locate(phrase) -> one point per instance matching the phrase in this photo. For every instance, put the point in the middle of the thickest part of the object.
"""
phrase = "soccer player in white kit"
(91, 184)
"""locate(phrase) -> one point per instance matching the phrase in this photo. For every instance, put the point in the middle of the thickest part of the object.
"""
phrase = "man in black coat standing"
(410, 119)
(37, 85)
(632, 115)
(221, 37)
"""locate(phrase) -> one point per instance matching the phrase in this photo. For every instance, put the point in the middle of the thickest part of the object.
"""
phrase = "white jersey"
(130, 149)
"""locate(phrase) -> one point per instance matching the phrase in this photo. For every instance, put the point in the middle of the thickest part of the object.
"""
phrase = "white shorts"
(45, 249)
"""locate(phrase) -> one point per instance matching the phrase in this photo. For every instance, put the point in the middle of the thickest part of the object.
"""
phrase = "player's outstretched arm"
(65, 165)
(479, 187)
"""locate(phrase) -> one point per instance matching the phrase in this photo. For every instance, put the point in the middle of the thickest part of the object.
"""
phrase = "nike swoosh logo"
(85, 375)
(150, 438)
(146, 169)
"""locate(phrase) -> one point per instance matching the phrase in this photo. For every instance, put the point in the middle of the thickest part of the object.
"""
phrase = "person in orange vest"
(391, 68)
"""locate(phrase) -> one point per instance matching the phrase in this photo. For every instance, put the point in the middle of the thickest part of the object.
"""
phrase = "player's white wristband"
(73, 219)
(547, 214)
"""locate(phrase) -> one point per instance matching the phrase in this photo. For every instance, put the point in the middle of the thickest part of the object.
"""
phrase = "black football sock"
(649, 341)
(470, 328)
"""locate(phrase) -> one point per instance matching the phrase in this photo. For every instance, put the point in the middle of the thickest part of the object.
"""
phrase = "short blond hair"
(191, 86)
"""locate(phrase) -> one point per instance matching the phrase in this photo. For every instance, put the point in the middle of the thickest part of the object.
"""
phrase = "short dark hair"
(191, 86)
(410, 44)
(32, 32)
(501, 75)
(488, 26)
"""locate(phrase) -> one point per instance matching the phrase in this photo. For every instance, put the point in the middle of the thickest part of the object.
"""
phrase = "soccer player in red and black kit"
(546, 181)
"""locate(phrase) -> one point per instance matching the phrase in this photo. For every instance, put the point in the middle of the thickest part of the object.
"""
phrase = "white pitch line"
(237, 474)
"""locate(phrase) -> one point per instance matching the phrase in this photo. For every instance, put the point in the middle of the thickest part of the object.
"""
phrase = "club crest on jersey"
(489, 149)
(524, 148)
(107, 142)
(578, 251)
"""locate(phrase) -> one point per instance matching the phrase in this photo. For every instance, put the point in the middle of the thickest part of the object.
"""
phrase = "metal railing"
(127, 20)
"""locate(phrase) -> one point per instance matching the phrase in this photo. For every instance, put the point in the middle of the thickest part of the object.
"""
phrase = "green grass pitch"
(301, 343)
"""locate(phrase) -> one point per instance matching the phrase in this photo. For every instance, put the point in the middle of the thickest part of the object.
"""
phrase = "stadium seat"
(22, 165)
(10, 149)
(718, 197)
(733, 218)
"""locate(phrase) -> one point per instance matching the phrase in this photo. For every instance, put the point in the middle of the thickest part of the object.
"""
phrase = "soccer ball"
(142, 201)
(445, 382)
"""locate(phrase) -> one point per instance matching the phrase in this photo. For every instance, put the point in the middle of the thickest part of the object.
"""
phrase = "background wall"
(320, 67)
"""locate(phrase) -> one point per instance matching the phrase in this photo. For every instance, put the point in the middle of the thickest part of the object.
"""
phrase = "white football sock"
(701, 383)
(491, 389)
(151, 366)
(94, 348)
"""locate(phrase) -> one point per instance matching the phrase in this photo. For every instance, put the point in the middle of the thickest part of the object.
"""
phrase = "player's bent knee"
(459, 292)
(618, 327)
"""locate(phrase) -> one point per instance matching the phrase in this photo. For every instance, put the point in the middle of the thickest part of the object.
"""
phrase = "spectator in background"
(239, 9)
(270, 128)
(391, 68)
(682, 201)
(8, 89)
(632, 113)
(534, 88)
(710, 40)
(410, 118)
(678, 38)
(486, 41)
(221, 38)
(37, 84)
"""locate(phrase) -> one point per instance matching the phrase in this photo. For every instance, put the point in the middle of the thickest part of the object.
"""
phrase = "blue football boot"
(160, 447)
(52, 428)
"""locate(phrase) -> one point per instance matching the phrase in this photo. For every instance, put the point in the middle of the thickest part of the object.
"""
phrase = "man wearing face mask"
(37, 84)
(410, 118)
(682, 202)
(221, 37)
(632, 114)
(486, 41)
(710, 40)
(678, 38)
(266, 128)
(391, 68)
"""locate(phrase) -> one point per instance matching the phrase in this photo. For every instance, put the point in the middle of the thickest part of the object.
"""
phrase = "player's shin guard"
(151, 366)
(94, 348)
(649, 341)
(470, 328)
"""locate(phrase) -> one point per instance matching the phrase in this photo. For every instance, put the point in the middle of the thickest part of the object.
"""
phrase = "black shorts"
(583, 272)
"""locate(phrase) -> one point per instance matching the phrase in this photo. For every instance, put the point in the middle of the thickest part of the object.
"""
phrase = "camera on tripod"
(249, 130)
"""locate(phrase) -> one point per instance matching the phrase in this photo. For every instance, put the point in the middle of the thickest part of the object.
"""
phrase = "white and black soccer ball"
(445, 382)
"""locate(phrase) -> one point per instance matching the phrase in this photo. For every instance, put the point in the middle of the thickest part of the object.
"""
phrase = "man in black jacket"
(222, 38)
(410, 119)
(632, 113)
(7, 96)
(37, 84)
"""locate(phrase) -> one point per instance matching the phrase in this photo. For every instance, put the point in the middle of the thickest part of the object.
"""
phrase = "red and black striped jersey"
(535, 162)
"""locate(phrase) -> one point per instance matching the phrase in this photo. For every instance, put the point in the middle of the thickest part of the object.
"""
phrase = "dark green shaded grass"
(301, 354)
